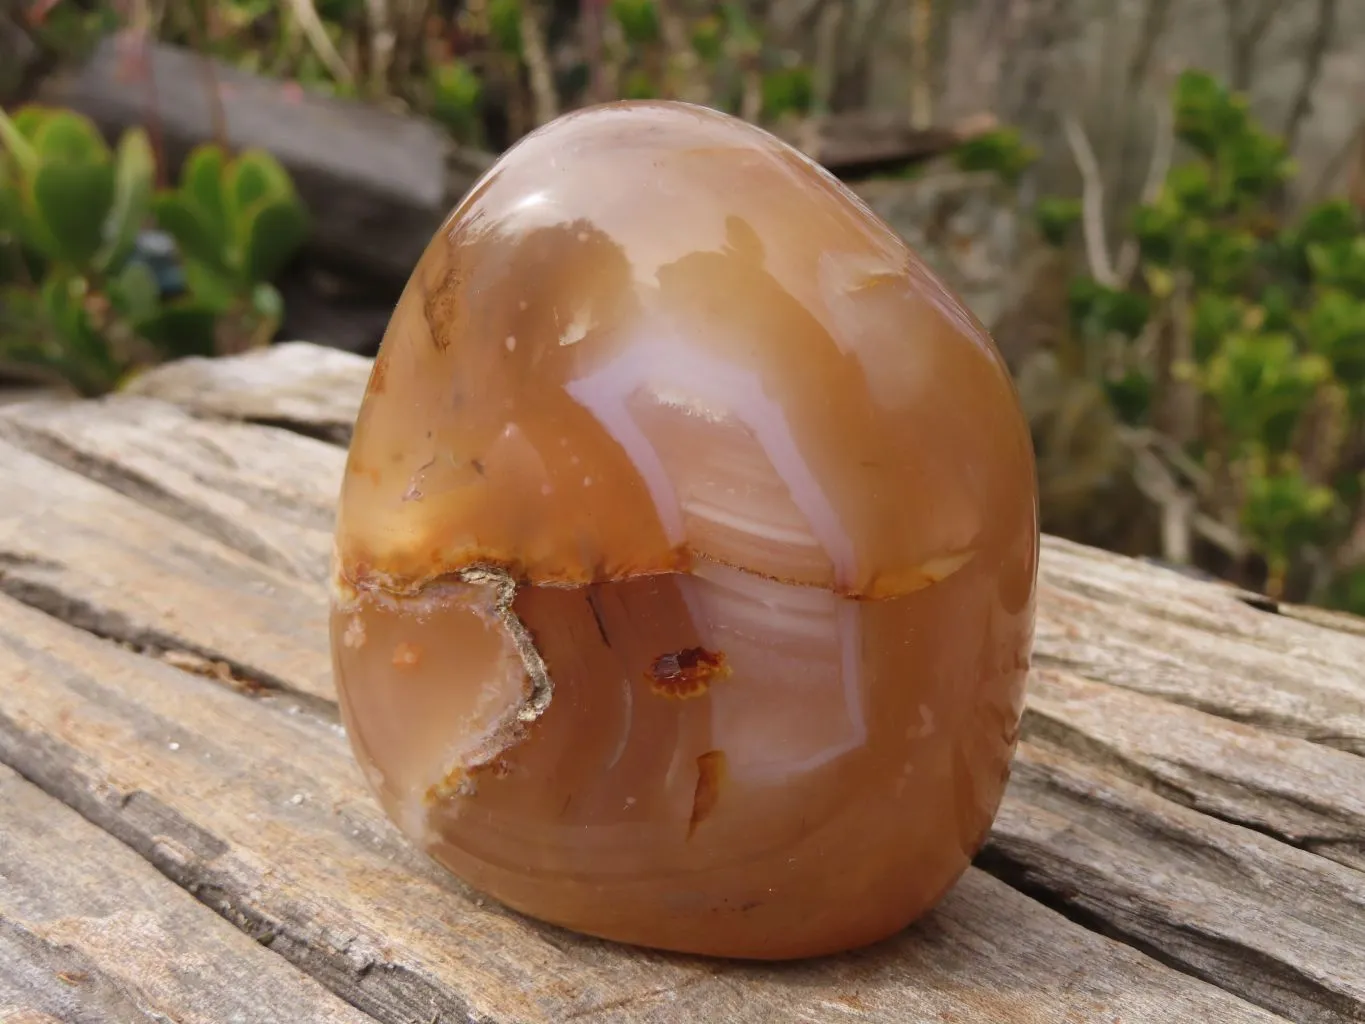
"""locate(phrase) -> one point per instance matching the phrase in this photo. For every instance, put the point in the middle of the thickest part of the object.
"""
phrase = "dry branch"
(1155, 19)
(544, 97)
(307, 16)
(1092, 203)
(1245, 35)
(1312, 71)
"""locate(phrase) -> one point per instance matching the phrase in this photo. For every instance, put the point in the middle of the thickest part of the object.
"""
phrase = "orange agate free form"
(686, 553)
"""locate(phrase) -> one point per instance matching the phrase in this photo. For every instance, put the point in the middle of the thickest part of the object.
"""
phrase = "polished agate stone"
(685, 557)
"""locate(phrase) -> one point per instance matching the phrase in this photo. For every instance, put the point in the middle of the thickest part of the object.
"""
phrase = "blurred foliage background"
(1159, 211)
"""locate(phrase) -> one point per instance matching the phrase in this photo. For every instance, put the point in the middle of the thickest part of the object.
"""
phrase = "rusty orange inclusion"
(686, 552)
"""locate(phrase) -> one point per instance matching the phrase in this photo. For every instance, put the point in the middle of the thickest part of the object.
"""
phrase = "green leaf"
(1220, 257)
(1340, 264)
(29, 119)
(19, 147)
(134, 292)
(639, 21)
(1130, 395)
(134, 168)
(1205, 112)
(1003, 151)
(193, 234)
(1098, 310)
(83, 354)
(1333, 221)
(210, 288)
(708, 38)
(1277, 309)
(333, 10)
(67, 137)
(743, 38)
(1191, 189)
(456, 90)
(59, 304)
(1335, 327)
(182, 328)
(255, 176)
(789, 90)
(1214, 317)
(1285, 513)
(11, 201)
(504, 25)
(1261, 386)
(202, 182)
(72, 200)
(1158, 225)
(274, 233)
(1056, 217)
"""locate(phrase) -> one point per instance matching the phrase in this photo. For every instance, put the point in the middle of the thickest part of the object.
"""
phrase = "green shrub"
(84, 299)
(468, 67)
(1240, 337)
(1002, 151)
(455, 95)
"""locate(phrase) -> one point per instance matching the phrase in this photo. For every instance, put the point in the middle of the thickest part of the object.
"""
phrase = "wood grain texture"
(266, 493)
(1281, 926)
(263, 816)
(1301, 793)
(1200, 644)
(90, 932)
(81, 550)
(308, 387)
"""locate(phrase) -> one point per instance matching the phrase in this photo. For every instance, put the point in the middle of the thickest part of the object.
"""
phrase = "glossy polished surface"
(687, 547)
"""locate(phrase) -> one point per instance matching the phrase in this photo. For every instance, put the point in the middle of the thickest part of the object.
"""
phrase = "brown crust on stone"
(438, 306)
(680, 560)
(379, 374)
(686, 673)
(711, 771)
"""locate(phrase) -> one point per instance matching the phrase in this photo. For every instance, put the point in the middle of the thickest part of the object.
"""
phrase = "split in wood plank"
(90, 933)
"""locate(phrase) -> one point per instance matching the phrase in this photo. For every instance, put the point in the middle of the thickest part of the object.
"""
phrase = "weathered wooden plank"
(1154, 631)
(377, 183)
(267, 493)
(90, 932)
(1279, 925)
(263, 816)
(862, 142)
(297, 384)
(1302, 793)
(101, 559)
